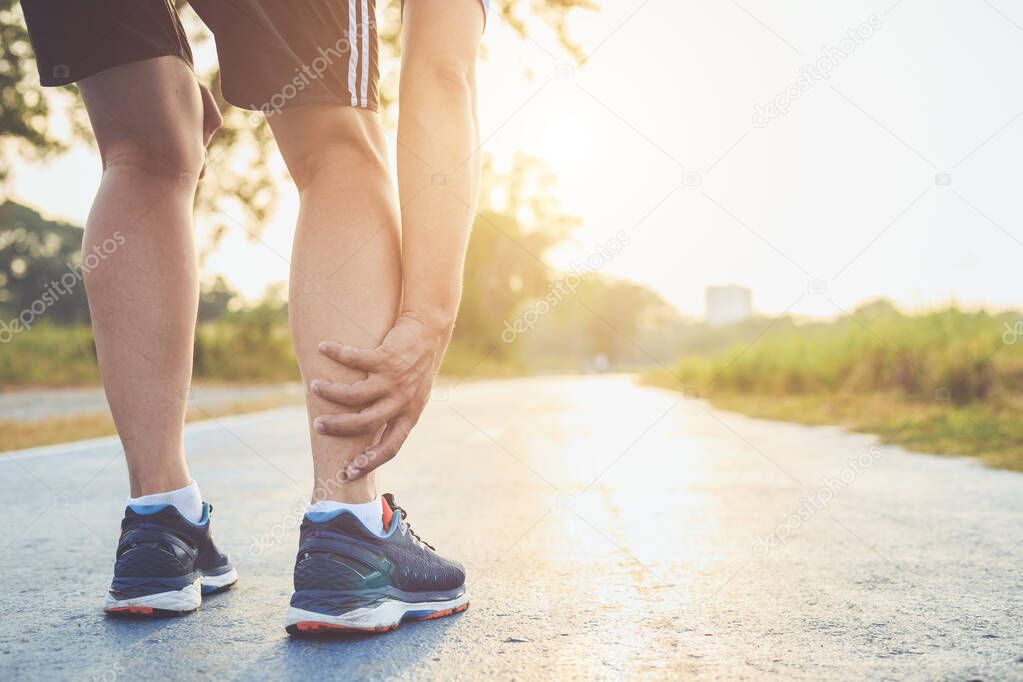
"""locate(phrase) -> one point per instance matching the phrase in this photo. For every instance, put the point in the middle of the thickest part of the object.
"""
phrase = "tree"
(40, 263)
(24, 111)
(518, 223)
(627, 323)
(240, 190)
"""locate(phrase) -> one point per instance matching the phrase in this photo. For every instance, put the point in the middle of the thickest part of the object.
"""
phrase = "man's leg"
(148, 117)
(367, 574)
(148, 121)
(346, 263)
(438, 177)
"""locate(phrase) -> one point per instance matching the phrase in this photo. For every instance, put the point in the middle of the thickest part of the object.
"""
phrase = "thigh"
(147, 113)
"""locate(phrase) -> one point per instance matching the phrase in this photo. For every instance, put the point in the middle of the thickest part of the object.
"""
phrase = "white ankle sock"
(370, 513)
(186, 500)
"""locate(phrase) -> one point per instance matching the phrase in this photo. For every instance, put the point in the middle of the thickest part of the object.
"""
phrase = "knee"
(440, 90)
(349, 154)
(450, 74)
(172, 157)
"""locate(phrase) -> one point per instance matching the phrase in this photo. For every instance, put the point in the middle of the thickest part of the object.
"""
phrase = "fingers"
(393, 438)
(356, 358)
(351, 395)
(367, 421)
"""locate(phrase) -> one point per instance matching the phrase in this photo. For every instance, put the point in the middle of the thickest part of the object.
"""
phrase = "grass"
(944, 382)
(254, 346)
(248, 348)
(16, 435)
(48, 355)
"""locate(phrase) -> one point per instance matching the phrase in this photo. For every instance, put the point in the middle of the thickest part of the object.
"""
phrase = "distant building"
(728, 304)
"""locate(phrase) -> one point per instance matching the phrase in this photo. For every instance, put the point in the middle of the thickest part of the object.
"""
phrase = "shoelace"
(404, 515)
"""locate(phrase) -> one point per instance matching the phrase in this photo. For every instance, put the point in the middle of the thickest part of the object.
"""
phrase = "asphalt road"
(609, 531)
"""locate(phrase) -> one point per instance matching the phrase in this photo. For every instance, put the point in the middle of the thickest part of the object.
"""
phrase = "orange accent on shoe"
(436, 614)
(445, 612)
(143, 610)
(388, 513)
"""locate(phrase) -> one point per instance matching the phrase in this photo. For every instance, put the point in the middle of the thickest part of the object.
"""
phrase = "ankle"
(159, 482)
(351, 492)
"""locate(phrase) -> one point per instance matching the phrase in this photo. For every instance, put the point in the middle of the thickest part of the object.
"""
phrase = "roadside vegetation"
(518, 314)
(15, 435)
(945, 382)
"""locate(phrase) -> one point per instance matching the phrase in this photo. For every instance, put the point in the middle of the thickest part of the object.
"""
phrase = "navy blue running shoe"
(165, 563)
(349, 579)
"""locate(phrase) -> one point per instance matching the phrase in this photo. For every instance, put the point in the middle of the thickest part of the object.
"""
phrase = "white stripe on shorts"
(353, 53)
(366, 51)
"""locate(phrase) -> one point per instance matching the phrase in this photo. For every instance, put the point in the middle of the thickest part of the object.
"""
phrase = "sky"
(888, 169)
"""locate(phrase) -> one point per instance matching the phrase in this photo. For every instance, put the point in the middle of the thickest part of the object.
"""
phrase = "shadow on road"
(361, 655)
(123, 631)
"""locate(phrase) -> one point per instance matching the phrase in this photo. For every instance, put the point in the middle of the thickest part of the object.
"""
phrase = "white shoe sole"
(177, 601)
(214, 583)
(384, 616)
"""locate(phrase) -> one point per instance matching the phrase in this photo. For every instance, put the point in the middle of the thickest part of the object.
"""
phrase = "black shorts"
(273, 53)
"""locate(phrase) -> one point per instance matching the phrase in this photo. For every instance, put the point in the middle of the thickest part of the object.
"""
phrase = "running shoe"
(349, 579)
(165, 563)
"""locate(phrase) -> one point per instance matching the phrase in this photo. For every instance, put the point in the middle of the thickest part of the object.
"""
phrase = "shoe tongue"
(387, 503)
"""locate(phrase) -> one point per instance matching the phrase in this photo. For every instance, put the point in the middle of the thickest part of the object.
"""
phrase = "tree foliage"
(240, 188)
(39, 267)
(25, 125)
(518, 223)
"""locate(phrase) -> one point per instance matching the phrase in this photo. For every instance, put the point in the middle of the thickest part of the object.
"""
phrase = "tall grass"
(48, 355)
(244, 348)
(946, 355)
(251, 346)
